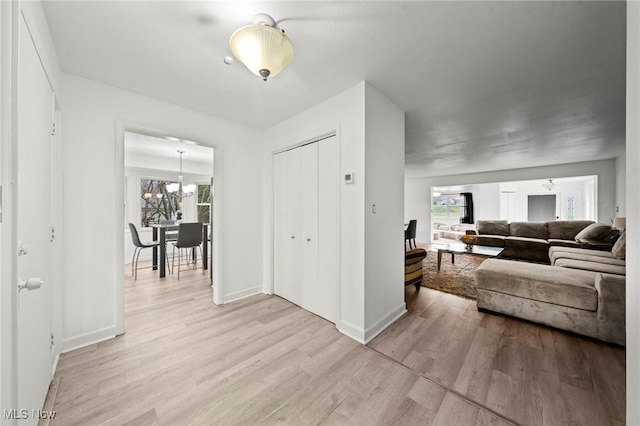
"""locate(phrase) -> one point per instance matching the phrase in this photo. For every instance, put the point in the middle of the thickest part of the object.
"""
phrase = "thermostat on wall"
(350, 177)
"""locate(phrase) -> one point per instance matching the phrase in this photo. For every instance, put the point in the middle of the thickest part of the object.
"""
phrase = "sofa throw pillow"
(594, 232)
(620, 247)
(566, 229)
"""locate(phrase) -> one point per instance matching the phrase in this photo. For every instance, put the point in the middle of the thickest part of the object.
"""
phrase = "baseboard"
(350, 330)
(87, 339)
(231, 297)
(54, 367)
(384, 322)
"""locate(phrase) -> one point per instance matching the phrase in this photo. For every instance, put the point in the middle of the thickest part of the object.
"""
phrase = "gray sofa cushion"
(584, 265)
(493, 227)
(524, 243)
(575, 289)
(563, 243)
(556, 249)
(620, 247)
(587, 257)
(528, 229)
(594, 232)
(490, 240)
(566, 229)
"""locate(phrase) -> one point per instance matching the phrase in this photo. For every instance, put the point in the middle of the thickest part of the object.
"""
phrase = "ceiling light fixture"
(549, 184)
(262, 47)
(182, 190)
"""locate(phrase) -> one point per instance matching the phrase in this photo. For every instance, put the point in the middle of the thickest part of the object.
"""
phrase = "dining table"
(160, 252)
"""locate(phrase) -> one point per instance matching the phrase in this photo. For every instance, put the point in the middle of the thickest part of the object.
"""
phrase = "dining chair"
(189, 237)
(139, 246)
(169, 235)
(410, 234)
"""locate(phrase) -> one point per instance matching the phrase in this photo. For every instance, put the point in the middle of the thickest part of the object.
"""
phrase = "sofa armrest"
(611, 305)
(611, 291)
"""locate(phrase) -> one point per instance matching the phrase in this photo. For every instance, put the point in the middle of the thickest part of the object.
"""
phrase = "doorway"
(151, 164)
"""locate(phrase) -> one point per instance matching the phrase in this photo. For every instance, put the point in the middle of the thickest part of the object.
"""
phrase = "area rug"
(456, 278)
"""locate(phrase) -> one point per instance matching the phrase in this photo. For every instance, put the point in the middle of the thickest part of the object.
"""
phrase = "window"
(204, 203)
(448, 206)
(156, 203)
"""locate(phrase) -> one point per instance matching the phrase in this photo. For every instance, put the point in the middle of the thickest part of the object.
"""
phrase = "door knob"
(30, 284)
(293, 237)
(308, 239)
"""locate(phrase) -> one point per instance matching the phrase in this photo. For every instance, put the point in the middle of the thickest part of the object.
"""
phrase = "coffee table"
(462, 249)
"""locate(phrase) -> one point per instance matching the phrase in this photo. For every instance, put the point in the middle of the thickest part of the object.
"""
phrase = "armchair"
(413, 267)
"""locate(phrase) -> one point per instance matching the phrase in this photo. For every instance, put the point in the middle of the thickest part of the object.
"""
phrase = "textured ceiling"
(485, 85)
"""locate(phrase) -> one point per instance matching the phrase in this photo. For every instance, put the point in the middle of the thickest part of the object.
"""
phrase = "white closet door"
(294, 226)
(280, 225)
(307, 227)
(329, 229)
(309, 216)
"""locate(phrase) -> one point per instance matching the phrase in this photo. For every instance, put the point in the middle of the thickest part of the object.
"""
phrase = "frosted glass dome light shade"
(264, 50)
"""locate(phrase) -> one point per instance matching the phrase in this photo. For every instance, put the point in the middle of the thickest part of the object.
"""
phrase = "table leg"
(155, 249)
(439, 259)
(205, 246)
(163, 252)
(452, 259)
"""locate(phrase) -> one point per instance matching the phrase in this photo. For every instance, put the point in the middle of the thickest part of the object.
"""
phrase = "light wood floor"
(184, 360)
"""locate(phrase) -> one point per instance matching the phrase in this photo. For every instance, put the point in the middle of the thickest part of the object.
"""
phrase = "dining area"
(186, 242)
(168, 206)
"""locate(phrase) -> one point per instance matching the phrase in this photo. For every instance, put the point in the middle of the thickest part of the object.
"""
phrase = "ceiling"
(485, 85)
(152, 152)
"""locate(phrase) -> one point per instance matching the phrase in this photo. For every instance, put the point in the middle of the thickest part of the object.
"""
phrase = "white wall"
(344, 114)
(563, 189)
(384, 230)
(621, 185)
(418, 198)
(7, 264)
(632, 209)
(92, 113)
(486, 200)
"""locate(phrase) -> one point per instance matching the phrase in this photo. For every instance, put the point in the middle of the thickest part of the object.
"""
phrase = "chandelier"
(549, 184)
(262, 47)
(181, 190)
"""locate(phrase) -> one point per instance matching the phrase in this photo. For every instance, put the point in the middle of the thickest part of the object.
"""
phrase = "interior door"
(329, 229)
(280, 226)
(35, 119)
(309, 215)
(541, 208)
(287, 225)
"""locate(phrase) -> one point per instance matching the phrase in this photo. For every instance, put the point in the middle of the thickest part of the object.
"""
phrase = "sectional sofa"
(532, 240)
(581, 291)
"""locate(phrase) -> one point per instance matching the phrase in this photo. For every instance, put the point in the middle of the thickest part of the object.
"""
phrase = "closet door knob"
(293, 237)
(308, 239)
